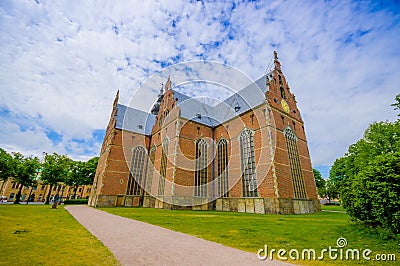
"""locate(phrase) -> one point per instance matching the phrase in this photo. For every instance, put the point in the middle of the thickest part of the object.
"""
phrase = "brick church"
(247, 153)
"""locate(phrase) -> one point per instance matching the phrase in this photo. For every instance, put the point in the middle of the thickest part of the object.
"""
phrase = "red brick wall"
(266, 120)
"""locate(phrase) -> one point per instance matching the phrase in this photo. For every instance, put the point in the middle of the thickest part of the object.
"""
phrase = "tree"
(90, 170)
(6, 167)
(373, 196)
(396, 105)
(25, 170)
(81, 173)
(367, 177)
(75, 175)
(54, 170)
(320, 183)
(337, 176)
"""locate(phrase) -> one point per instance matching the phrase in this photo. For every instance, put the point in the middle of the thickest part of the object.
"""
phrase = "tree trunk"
(47, 201)
(18, 196)
(56, 199)
(75, 189)
(30, 193)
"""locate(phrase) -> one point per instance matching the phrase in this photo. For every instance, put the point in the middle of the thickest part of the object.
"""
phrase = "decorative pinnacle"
(168, 84)
(276, 62)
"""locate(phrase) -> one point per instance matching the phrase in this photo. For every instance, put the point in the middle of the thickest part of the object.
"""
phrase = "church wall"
(113, 167)
(184, 178)
(275, 187)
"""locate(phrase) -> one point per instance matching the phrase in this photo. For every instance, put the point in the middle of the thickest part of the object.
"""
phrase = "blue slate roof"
(192, 109)
(247, 98)
(134, 120)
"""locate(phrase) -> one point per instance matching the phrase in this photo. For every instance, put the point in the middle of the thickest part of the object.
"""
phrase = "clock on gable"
(285, 106)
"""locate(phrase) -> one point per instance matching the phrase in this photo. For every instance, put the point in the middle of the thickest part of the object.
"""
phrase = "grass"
(39, 235)
(332, 208)
(250, 232)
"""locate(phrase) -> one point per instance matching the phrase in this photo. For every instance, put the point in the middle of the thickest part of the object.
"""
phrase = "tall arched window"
(136, 174)
(249, 180)
(222, 155)
(151, 168)
(200, 177)
(295, 166)
(163, 167)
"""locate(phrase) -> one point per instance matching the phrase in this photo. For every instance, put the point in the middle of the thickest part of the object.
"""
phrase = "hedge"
(76, 201)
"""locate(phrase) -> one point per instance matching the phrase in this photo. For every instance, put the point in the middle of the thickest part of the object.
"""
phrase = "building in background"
(248, 153)
(38, 193)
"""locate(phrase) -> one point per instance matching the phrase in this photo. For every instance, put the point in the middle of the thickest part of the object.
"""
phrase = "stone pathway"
(137, 243)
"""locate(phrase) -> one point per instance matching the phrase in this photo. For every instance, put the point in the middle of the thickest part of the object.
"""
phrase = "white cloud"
(62, 62)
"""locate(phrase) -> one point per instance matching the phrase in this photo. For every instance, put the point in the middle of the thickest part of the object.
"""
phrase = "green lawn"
(251, 232)
(39, 235)
(332, 208)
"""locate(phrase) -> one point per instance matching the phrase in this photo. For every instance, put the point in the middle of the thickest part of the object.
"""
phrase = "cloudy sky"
(61, 63)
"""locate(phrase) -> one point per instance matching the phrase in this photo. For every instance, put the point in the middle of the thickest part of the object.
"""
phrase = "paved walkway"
(137, 243)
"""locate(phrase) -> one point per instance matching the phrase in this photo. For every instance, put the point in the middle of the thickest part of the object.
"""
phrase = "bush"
(335, 203)
(76, 201)
(372, 196)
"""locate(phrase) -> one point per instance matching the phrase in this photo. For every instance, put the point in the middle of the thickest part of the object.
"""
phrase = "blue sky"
(61, 63)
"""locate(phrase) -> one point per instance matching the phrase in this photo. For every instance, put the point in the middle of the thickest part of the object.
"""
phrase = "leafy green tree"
(337, 176)
(81, 173)
(25, 171)
(396, 105)
(6, 167)
(320, 183)
(373, 196)
(90, 170)
(367, 177)
(54, 171)
(75, 175)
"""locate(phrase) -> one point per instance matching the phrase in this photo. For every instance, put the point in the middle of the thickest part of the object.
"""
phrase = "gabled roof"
(253, 95)
(134, 120)
(200, 112)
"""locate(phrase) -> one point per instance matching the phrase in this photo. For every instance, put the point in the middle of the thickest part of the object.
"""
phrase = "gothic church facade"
(248, 153)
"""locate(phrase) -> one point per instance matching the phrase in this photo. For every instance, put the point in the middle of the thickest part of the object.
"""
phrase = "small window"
(283, 94)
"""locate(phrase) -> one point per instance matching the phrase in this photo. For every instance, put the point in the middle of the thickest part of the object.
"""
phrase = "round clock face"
(285, 106)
